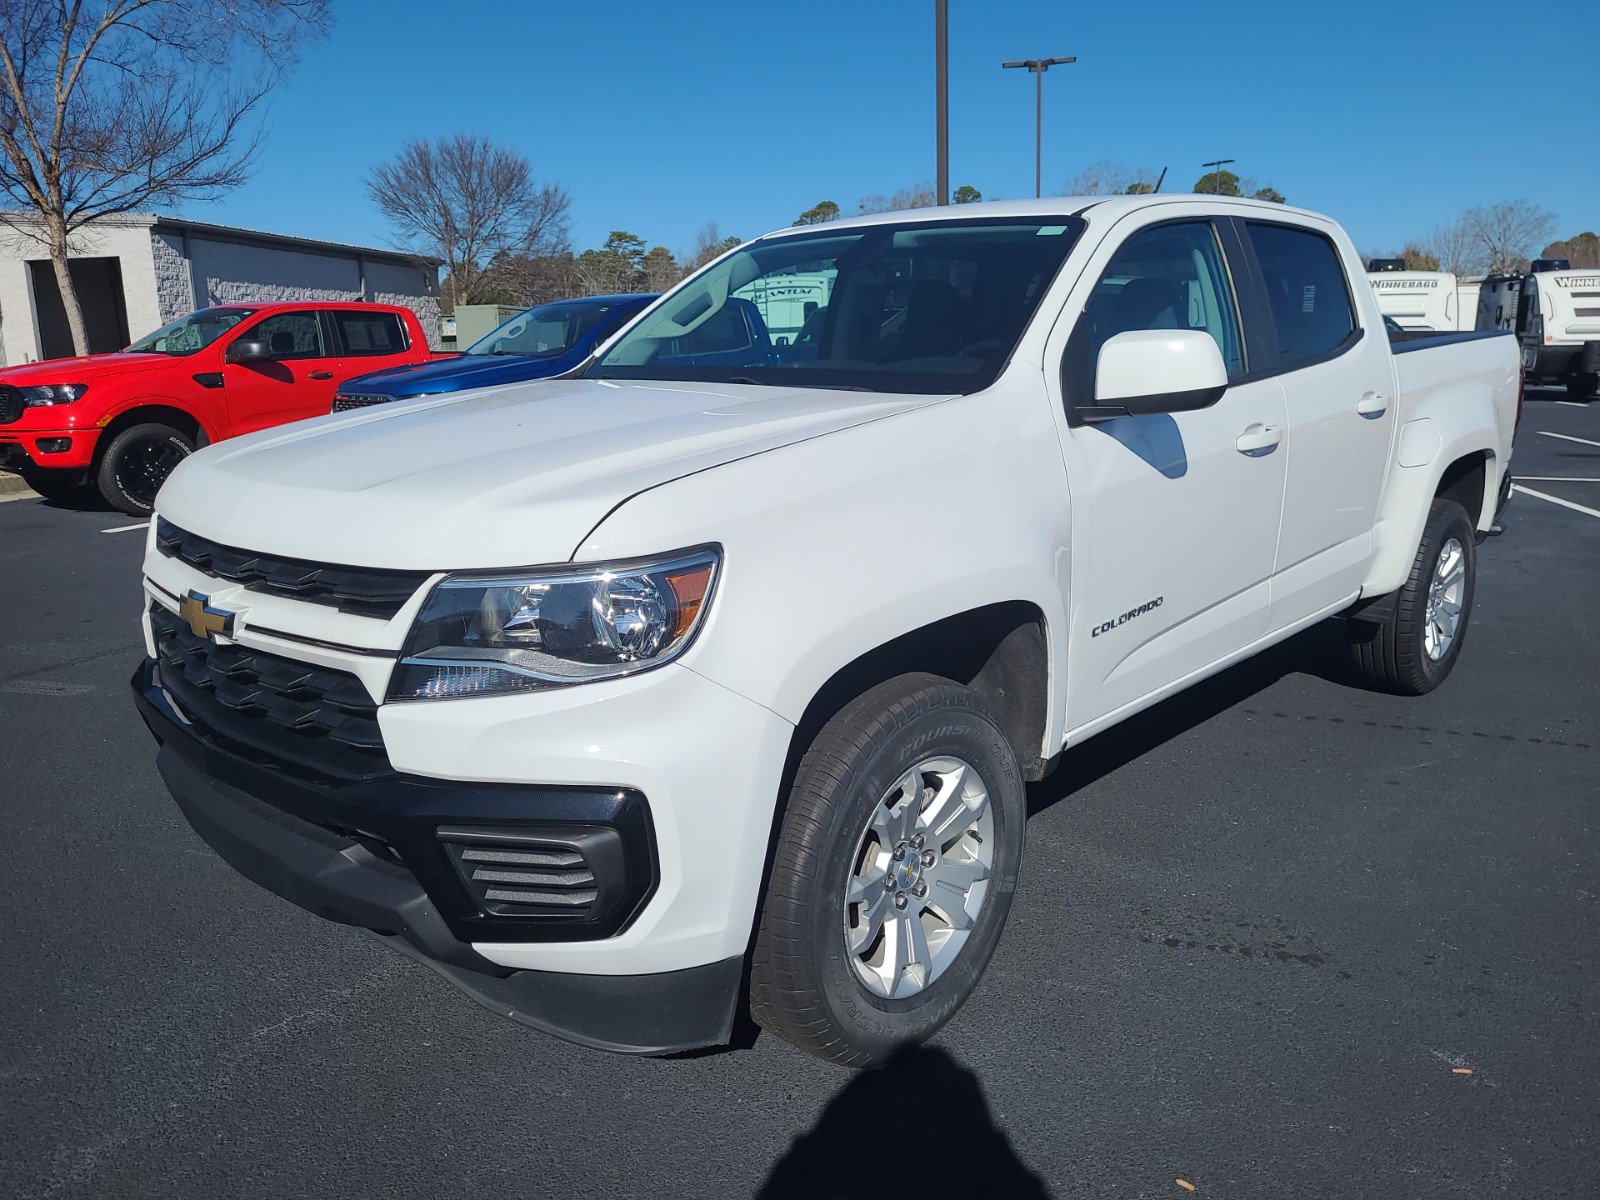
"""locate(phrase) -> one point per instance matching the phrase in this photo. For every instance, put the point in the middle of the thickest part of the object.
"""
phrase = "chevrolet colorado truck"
(120, 422)
(712, 674)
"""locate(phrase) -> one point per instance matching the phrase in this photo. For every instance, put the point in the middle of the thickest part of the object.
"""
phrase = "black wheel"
(1414, 650)
(1582, 385)
(54, 485)
(894, 871)
(136, 463)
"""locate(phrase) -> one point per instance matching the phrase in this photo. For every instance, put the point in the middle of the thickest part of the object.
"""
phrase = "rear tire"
(893, 873)
(1582, 385)
(1414, 649)
(136, 463)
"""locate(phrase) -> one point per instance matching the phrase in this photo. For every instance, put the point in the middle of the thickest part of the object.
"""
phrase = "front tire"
(136, 463)
(1582, 385)
(1414, 649)
(893, 874)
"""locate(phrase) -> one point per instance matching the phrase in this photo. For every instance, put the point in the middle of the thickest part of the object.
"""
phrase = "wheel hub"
(1446, 593)
(919, 877)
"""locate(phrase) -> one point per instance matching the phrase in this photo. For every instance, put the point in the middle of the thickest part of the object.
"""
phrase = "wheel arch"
(157, 412)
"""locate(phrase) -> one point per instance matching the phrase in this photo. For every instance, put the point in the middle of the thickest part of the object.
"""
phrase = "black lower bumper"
(311, 846)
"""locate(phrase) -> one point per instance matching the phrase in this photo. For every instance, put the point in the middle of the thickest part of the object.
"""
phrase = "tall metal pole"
(1216, 166)
(1038, 66)
(1038, 133)
(941, 53)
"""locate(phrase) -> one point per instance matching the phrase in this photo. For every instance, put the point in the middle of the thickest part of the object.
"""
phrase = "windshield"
(546, 331)
(194, 332)
(933, 307)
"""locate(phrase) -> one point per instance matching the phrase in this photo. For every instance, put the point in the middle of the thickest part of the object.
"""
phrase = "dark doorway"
(99, 285)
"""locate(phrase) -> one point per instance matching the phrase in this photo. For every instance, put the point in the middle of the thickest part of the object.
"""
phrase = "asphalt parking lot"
(1275, 937)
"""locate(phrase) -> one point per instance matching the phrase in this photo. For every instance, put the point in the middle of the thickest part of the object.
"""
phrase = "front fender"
(836, 546)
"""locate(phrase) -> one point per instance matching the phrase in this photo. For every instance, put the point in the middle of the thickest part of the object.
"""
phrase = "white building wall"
(174, 285)
(128, 241)
(413, 286)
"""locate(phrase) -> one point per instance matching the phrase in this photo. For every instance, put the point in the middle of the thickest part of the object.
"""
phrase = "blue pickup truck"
(537, 344)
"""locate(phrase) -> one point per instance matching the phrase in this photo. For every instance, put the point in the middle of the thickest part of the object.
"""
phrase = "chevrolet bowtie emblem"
(204, 621)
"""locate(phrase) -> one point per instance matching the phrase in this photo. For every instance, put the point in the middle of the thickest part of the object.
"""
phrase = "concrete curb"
(11, 485)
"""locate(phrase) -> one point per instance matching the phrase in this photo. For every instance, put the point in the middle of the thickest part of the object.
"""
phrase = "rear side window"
(1306, 290)
(370, 332)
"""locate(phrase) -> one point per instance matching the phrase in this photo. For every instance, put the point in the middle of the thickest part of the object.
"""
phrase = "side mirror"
(1156, 371)
(248, 350)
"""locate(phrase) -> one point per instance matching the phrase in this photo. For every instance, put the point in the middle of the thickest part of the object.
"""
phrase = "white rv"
(1558, 324)
(1497, 302)
(1423, 300)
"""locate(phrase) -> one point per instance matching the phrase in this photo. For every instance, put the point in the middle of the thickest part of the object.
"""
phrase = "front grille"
(533, 873)
(11, 405)
(308, 718)
(366, 592)
(345, 401)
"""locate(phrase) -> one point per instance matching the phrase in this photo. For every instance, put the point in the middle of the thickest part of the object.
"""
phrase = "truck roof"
(1110, 207)
(269, 305)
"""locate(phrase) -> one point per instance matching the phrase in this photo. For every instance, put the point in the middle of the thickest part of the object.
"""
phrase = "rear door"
(296, 382)
(1175, 515)
(368, 340)
(1338, 382)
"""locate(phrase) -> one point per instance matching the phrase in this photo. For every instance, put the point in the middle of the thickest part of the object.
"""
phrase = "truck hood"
(83, 370)
(487, 479)
(459, 373)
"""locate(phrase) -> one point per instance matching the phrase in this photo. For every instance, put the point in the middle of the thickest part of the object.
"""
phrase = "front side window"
(188, 334)
(1168, 277)
(290, 335)
(933, 307)
(365, 333)
(546, 331)
(1306, 291)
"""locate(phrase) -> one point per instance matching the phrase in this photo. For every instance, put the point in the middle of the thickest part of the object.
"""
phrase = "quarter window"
(1168, 277)
(1306, 291)
(291, 335)
(370, 332)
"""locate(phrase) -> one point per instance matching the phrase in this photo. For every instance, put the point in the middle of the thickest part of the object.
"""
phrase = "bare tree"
(708, 244)
(1109, 179)
(469, 201)
(1457, 248)
(919, 195)
(116, 106)
(1510, 232)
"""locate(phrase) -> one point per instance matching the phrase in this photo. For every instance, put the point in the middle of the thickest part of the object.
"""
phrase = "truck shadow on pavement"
(866, 1144)
(1317, 651)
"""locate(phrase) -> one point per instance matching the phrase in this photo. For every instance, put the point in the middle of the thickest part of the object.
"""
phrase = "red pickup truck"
(120, 422)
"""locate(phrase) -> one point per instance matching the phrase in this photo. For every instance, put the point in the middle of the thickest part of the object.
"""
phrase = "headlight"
(482, 636)
(43, 394)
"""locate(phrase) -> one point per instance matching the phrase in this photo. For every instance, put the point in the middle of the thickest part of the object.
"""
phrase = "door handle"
(1372, 406)
(319, 375)
(1258, 440)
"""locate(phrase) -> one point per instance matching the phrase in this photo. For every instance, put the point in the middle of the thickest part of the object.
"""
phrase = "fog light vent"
(54, 445)
(556, 873)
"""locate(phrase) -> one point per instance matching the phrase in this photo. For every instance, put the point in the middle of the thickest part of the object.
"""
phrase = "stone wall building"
(135, 273)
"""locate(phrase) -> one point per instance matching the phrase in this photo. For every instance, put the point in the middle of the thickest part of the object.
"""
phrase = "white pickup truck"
(712, 674)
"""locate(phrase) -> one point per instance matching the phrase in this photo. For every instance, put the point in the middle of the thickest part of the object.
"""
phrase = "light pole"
(1216, 166)
(941, 54)
(1039, 66)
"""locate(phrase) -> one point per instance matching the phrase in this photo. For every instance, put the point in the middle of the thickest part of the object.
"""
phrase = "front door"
(1175, 515)
(296, 382)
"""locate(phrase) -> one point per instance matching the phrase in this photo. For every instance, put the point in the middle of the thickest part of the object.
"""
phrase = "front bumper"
(47, 449)
(367, 854)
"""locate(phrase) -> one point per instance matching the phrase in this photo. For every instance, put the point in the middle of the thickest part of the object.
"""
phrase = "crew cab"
(712, 674)
(541, 342)
(120, 422)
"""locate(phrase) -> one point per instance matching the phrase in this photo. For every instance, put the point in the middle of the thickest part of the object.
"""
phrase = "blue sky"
(1392, 117)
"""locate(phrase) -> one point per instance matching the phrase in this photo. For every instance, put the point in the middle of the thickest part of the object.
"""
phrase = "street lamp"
(941, 74)
(1039, 66)
(1217, 165)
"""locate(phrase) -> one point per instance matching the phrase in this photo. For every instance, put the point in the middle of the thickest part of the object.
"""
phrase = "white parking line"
(1567, 437)
(1553, 479)
(1572, 403)
(127, 528)
(1593, 512)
